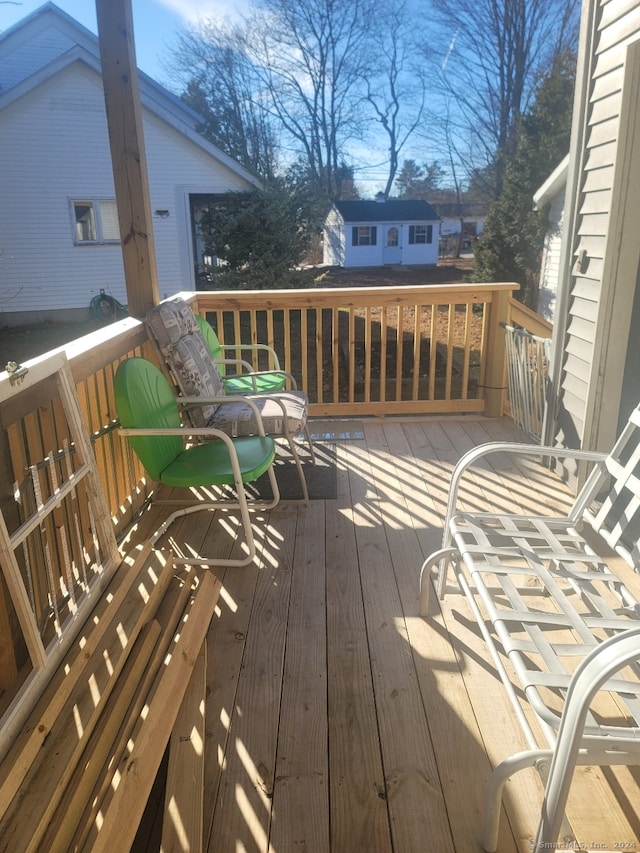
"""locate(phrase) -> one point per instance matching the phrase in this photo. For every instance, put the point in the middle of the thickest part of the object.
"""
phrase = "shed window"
(364, 235)
(420, 234)
(95, 221)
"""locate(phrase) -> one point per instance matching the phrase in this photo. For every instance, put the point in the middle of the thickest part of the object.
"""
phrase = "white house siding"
(176, 168)
(29, 50)
(53, 149)
(550, 197)
(54, 144)
(550, 268)
(598, 307)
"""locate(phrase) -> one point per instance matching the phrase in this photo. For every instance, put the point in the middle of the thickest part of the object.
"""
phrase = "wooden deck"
(337, 718)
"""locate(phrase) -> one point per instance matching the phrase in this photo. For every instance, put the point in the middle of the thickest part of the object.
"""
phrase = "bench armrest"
(516, 449)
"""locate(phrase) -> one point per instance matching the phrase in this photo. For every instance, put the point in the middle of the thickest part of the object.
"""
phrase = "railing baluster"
(468, 315)
(304, 337)
(433, 351)
(415, 385)
(383, 354)
(286, 331)
(367, 355)
(335, 353)
(399, 352)
(352, 354)
(451, 313)
(319, 356)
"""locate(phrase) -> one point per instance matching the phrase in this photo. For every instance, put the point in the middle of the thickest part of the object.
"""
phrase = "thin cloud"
(192, 11)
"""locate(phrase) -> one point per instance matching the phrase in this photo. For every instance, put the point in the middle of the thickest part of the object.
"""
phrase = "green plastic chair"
(251, 382)
(150, 419)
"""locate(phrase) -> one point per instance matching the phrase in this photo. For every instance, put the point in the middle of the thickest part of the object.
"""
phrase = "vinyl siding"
(40, 43)
(177, 167)
(550, 269)
(55, 147)
(618, 25)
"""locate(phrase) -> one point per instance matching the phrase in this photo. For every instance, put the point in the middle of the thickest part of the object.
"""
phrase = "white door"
(392, 252)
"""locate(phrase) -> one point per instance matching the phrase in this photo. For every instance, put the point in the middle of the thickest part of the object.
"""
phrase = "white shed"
(384, 231)
(60, 242)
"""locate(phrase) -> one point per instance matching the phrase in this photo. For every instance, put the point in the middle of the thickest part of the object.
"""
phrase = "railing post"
(495, 380)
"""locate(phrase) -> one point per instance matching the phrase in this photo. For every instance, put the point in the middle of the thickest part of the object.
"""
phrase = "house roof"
(554, 184)
(392, 210)
(22, 69)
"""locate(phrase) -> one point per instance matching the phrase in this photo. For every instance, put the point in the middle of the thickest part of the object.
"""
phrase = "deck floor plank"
(300, 819)
(415, 801)
(359, 818)
(338, 720)
(243, 809)
(450, 716)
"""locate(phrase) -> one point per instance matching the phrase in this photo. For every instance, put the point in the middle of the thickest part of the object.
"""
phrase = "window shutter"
(374, 231)
(412, 234)
(429, 233)
(354, 236)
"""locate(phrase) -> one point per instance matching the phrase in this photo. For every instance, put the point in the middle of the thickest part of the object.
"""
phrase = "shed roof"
(393, 210)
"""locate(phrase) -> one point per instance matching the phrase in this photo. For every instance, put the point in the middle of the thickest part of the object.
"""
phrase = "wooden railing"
(356, 352)
(524, 318)
(377, 351)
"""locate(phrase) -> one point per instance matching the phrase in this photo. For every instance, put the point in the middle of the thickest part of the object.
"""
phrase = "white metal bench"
(550, 593)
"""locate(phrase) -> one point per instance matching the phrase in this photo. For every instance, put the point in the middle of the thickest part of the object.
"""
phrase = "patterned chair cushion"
(239, 419)
(173, 326)
(169, 322)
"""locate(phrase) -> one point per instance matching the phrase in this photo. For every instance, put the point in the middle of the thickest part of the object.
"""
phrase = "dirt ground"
(21, 344)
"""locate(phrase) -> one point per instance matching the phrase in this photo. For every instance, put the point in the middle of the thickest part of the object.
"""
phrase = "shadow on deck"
(339, 720)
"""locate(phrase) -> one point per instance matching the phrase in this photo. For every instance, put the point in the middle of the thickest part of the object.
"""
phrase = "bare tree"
(492, 51)
(395, 84)
(310, 54)
(220, 82)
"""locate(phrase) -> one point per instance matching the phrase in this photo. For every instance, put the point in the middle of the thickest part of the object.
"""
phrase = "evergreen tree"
(260, 236)
(418, 182)
(511, 245)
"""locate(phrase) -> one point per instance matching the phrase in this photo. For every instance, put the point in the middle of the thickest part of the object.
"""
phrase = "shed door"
(392, 252)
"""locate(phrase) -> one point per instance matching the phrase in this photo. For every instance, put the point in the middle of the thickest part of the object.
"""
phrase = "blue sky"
(155, 22)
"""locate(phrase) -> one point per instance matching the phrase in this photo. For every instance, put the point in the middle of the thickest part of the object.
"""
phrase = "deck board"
(338, 720)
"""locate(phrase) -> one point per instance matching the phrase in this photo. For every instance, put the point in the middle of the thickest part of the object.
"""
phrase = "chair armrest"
(251, 373)
(248, 367)
(221, 401)
(187, 430)
(516, 449)
(254, 348)
(608, 658)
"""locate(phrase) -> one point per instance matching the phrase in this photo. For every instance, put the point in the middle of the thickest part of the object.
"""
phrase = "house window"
(95, 221)
(420, 234)
(363, 235)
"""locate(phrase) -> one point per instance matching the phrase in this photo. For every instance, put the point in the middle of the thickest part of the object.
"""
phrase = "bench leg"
(444, 557)
(539, 758)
